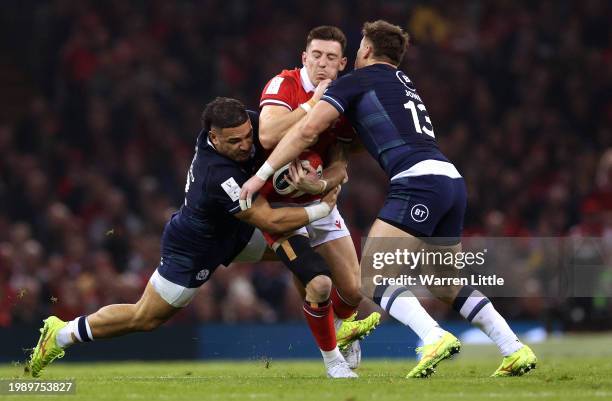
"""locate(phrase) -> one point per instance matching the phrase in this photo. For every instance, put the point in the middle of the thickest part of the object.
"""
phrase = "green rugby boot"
(353, 330)
(432, 354)
(517, 363)
(46, 350)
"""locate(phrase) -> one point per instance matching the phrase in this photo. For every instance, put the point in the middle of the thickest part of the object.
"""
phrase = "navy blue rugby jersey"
(383, 106)
(204, 232)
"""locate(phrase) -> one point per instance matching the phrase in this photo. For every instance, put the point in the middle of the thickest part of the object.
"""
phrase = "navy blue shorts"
(429, 206)
(182, 270)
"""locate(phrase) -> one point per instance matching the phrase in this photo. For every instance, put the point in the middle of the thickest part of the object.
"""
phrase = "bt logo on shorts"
(419, 213)
(203, 274)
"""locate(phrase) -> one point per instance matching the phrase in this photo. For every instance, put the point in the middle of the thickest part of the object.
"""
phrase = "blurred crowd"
(519, 92)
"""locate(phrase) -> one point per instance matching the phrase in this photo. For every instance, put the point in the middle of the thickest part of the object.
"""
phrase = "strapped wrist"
(318, 211)
(307, 106)
(265, 171)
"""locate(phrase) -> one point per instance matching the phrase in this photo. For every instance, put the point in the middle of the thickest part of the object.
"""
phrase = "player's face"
(235, 143)
(323, 60)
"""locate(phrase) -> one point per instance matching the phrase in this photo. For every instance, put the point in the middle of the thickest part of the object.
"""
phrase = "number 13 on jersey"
(414, 108)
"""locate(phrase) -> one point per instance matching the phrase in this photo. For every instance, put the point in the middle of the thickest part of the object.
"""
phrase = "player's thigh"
(383, 242)
(449, 228)
(254, 250)
(417, 204)
(331, 238)
(341, 257)
(170, 287)
(151, 306)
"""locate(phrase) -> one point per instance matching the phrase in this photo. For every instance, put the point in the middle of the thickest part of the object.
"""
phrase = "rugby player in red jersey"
(285, 101)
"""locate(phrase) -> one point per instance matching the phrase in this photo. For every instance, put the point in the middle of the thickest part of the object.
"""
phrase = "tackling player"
(207, 231)
(427, 195)
(285, 102)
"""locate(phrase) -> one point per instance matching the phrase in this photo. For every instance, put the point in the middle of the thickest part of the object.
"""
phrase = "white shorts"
(174, 294)
(319, 232)
(327, 229)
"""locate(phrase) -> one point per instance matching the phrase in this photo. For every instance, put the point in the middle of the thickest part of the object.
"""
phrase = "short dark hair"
(327, 32)
(223, 112)
(389, 41)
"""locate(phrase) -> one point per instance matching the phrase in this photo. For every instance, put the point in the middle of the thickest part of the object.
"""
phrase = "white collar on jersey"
(306, 82)
(210, 143)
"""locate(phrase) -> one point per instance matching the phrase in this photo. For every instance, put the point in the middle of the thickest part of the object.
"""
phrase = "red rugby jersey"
(289, 89)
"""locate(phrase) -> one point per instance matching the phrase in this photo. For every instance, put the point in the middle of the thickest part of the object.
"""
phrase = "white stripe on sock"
(88, 329)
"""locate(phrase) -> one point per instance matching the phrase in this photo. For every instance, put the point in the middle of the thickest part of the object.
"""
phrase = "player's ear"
(343, 62)
(304, 58)
(213, 137)
(367, 53)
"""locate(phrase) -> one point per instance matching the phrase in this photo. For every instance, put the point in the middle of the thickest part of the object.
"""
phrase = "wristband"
(318, 211)
(307, 106)
(265, 171)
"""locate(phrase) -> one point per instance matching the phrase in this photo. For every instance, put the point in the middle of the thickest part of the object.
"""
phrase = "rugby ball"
(280, 184)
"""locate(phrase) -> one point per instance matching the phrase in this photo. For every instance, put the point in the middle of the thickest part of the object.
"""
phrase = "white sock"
(401, 304)
(64, 336)
(337, 323)
(496, 327)
(78, 329)
(332, 357)
(479, 310)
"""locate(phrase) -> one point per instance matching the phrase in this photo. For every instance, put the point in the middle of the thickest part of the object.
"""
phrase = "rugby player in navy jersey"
(209, 230)
(426, 202)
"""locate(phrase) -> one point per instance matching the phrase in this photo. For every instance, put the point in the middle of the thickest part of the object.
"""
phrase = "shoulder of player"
(291, 77)
(293, 74)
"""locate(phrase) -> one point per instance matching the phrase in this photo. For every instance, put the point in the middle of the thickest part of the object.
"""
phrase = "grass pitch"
(573, 368)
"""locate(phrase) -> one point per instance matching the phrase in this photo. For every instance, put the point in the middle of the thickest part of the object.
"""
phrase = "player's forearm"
(299, 137)
(291, 145)
(286, 219)
(272, 128)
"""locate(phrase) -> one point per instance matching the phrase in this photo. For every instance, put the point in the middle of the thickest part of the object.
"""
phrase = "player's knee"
(151, 324)
(146, 319)
(319, 288)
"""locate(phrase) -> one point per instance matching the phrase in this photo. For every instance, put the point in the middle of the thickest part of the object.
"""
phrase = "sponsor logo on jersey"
(231, 188)
(403, 78)
(274, 86)
(419, 213)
